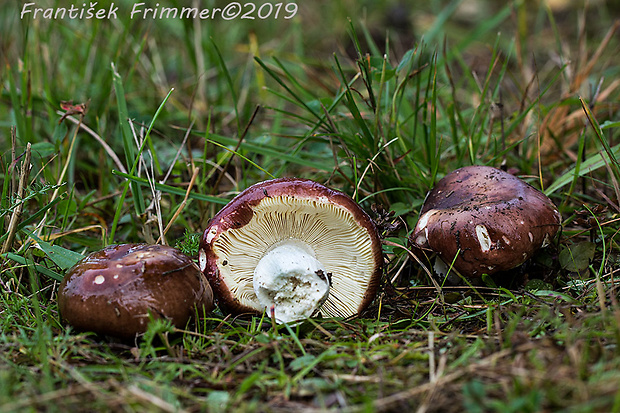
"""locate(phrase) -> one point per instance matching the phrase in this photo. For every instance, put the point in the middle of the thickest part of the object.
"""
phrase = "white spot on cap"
(115, 276)
(483, 238)
(506, 240)
(119, 265)
(421, 227)
(212, 233)
(99, 279)
(423, 222)
(202, 260)
(531, 236)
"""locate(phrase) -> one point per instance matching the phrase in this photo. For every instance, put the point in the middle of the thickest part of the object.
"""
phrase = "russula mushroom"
(114, 291)
(493, 220)
(292, 246)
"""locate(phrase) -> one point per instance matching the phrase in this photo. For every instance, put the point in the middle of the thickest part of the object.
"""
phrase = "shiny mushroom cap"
(493, 220)
(292, 246)
(114, 291)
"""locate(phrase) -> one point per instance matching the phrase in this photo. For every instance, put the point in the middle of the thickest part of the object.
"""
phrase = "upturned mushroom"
(115, 291)
(292, 247)
(484, 220)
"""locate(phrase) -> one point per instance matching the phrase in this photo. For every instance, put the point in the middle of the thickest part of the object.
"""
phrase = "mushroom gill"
(322, 234)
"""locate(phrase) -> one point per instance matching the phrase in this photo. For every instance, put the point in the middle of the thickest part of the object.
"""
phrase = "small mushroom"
(292, 246)
(493, 220)
(114, 291)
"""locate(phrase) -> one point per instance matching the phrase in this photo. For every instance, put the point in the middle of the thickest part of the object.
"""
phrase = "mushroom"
(488, 219)
(114, 291)
(292, 246)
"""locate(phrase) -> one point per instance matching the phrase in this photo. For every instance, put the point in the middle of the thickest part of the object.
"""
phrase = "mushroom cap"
(327, 222)
(492, 219)
(112, 291)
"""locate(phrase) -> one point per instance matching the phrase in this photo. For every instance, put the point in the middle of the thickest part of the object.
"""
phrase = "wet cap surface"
(493, 220)
(112, 291)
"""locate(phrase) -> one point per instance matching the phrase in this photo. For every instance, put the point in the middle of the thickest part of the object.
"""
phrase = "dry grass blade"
(17, 211)
(151, 399)
(415, 257)
(587, 70)
(180, 208)
(58, 235)
(47, 399)
(239, 141)
(567, 122)
(98, 138)
(388, 403)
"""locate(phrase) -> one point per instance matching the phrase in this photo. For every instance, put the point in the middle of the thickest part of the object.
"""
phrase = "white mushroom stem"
(290, 282)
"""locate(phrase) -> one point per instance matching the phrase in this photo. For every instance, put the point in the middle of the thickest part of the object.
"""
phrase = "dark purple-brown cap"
(493, 220)
(113, 291)
(326, 225)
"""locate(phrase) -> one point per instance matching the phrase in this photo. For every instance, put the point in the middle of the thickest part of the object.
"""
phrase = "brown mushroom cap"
(329, 224)
(492, 219)
(112, 291)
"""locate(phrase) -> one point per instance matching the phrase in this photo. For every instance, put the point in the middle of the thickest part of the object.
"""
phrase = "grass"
(181, 115)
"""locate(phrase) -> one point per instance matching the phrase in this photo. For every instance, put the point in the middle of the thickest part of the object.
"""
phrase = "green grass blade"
(351, 104)
(229, 81)
(439, 22)
(591, 164)
(62, 257)
(40, 268)
(599, 134)
(297, 98)
(128, 142)
(480, 30)
(254, 164)
(40, 213)
(171, 189)
(20, 122)
(135, 188)
(274, 151)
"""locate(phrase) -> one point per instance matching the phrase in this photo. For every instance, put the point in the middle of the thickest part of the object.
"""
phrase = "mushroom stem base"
(290, 282)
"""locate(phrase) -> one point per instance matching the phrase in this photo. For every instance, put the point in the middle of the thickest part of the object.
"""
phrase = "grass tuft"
(379, 101)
